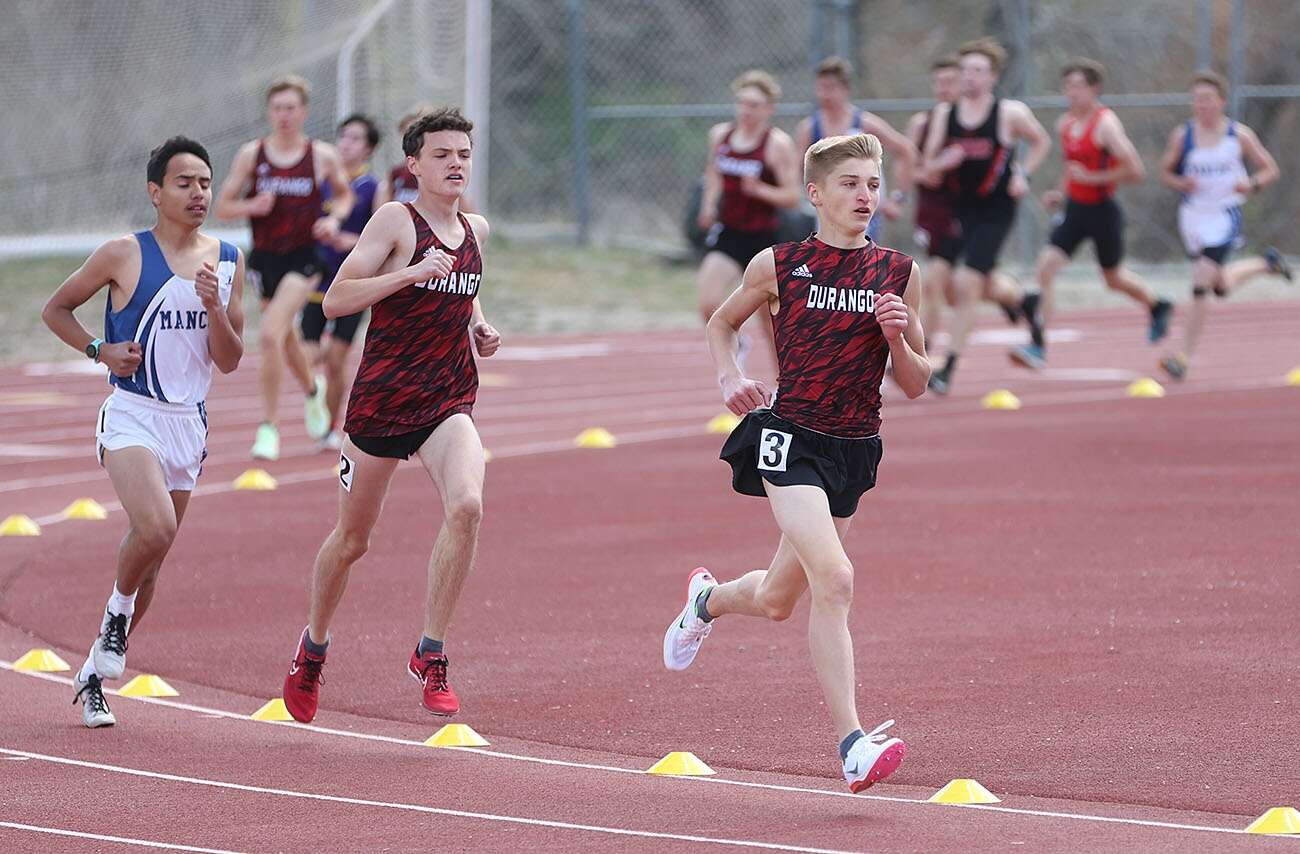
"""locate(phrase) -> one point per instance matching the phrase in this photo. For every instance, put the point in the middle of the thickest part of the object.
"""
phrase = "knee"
(352, 543)
(156, 536)
(1114, 278)
(270, 338)
(835, 587)
(774, 606)
(464, 510)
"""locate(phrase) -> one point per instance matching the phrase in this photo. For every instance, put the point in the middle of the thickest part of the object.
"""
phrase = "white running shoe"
(109, 650)
(683, 638)
(873, 758)
(315, 416)
(94, 708)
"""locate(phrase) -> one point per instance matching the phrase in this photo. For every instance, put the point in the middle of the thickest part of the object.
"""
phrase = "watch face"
(92, 349)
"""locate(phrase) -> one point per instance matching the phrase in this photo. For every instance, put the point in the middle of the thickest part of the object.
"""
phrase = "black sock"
(849, 740)
(702, 606)
(949, 365)
(311, 645)
(428, 645)
(1036, 334)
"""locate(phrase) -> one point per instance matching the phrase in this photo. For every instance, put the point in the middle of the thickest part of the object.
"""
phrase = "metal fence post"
(1236, 56)
(816, 32)
(578, 113)
(1027, 228)
(1204, 35)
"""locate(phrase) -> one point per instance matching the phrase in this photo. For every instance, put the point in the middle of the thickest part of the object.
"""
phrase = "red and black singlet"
(417, 366)
(830, 349)
(738, 210)
(405, 188)
(297, 202)
(1083, 149)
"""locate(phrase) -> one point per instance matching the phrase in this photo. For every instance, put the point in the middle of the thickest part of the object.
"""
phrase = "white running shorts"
(176, 433)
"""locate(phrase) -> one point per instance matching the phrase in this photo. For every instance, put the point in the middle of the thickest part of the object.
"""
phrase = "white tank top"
(167, 319)
(1216, 169)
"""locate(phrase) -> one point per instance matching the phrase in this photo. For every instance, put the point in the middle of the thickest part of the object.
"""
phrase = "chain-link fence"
(599, 108)
(608, 103)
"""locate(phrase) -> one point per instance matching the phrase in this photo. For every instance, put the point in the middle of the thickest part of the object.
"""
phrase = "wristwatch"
(92, 349)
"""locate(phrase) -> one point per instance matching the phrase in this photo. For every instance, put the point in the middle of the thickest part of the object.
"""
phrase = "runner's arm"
(1266, 168)
(1169, 162)
(226, 325)
(229, 205)
(1025, 126)
(906, 351)
(359, 284)
(933, 165)
(101, 268)
(708, 214)
(757, 290)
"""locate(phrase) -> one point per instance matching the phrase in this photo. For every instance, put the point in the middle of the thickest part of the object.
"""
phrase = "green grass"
(529, 288)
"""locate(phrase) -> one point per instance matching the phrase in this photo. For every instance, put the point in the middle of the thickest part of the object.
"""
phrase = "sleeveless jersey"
(933, 206)
(417, 366)
(297, 202)
(829, 347)
(364, 187)
(1084, 150)
(738, 210)
(405, 188)
(167, 319)
(1217, 169)
(986, 171)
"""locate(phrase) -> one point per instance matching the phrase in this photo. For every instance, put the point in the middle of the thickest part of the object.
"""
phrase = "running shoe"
(94, 708)
(315, 415)
(267, 444)
(1160, 314)
(1028, 356)
(302, 684)
(683, 638)
(1175, 366)
(939, 382)
(109, 651)
(872, 758)
(430, 670)
(333, 441)
(1278, 264)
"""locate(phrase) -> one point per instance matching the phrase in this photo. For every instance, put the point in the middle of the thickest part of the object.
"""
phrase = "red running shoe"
(430, 670)
(302, 684)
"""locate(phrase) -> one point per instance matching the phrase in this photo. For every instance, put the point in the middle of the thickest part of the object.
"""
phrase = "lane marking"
(419, 808)
(775, 787)
(101, 837)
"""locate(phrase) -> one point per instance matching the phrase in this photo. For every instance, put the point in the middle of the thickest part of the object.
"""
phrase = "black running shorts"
(764, 447)
(739, 246)
(1102, 223)
(272, 267)
(314, 323)
(403, 445)
(984, 228)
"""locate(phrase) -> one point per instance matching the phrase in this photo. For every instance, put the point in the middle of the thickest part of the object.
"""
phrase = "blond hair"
(289, 82)
(825, 154)
(996, 53)
(760, 80)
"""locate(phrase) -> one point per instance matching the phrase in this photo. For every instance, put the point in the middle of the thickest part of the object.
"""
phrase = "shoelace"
(115, 634)
(310, 668)
(438, 668)
(94, 696)
(877, 735)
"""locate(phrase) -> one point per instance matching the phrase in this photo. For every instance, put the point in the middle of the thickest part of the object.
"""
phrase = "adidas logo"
(802, 272)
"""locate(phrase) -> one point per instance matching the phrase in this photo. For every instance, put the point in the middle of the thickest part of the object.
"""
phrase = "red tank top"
(297, 202)
(829, 347)
(1083, 149)
(738, 210)
(933, 206)
(417, 367)
(405, 188)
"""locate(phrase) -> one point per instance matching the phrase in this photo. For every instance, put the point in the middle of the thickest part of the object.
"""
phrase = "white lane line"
(419, 808)
(101, 837)
(774, 787)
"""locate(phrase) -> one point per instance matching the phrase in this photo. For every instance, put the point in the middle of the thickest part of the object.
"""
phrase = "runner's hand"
(891, 314)
(205, 286)
(706, 219)
(122, 359)
(325, 229)
(436, 265)
(261, 204)
(486, 339)
(749, 184)
(1017, 186)
(950, 158)
(1053, 199)
(744, 395)
(891, 209)
(1184, 183)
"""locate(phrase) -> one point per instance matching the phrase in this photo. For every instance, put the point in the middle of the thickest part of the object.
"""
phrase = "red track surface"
(1090, 605)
